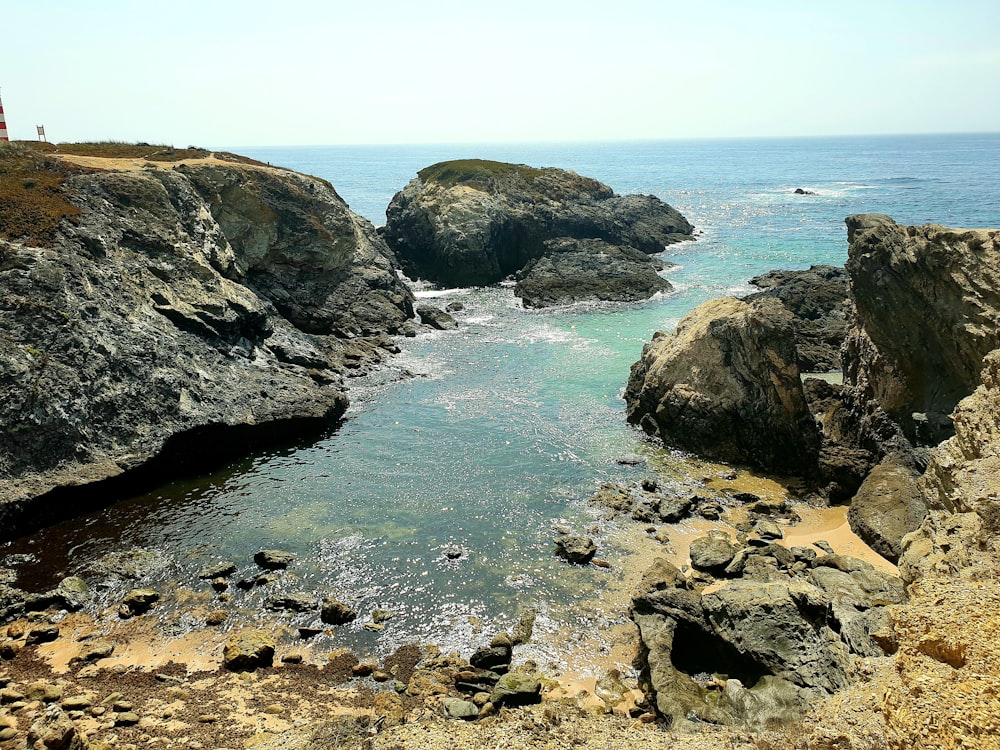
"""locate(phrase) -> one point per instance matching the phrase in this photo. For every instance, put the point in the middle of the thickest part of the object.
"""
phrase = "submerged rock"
(475, 222)
(274, 559)
(335, 612)
(436, 318)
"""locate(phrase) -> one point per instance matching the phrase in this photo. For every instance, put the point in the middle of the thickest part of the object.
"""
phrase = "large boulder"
(726, 385)
(927, 305)
(572, 270)
(758, 648)
(889, 505)
(475, 222)
(185, 314)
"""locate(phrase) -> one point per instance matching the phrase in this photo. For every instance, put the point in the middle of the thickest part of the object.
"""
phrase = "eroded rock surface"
(179, 305)
(726, 385)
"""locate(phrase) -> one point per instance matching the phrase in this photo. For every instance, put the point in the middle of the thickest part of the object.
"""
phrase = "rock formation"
(928, 311)
(726, 385)
(474, 222)
(174, 312)
(818, 298)
(757, 648)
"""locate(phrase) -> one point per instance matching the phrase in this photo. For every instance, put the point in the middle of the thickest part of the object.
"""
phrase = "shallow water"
(506, 426)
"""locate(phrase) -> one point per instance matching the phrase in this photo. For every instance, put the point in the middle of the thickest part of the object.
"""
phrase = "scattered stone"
(55, 730)
(95, 650)
(126, 719)
(524, 628)
(456, 708)
(363, 669)
(600, 563)
(11, 695)
(208, 718)
(335, 612)
(673, 509)
(292, 658)
(7, 734)
(77, 702)
(375, 627)
(712, 553)
(274, 559)
(248, 650)
(453, 552)
(290, 603)
(455, 306)
(631, 459)
(576, 549)
(220, 584)
(42, 634)
(305, 632)
(43, 691)
(516, 689)
(218, 570)
(382, 615)
(137, 602)
(72, 594)
(768, 530)
(216, 617)
(493, 658)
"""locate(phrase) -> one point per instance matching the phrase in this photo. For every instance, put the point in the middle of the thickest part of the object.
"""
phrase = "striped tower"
(3, 124)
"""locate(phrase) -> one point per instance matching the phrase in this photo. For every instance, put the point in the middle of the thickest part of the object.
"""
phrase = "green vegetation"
(477, 173)
(32, 196)
(119, 150)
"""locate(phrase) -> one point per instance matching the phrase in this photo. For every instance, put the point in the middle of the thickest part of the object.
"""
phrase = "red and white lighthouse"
(3, 124)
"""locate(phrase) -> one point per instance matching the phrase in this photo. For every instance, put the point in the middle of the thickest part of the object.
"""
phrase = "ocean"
(504, 428)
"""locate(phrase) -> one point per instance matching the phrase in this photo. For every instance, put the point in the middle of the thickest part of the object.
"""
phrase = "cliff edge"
(173, 311)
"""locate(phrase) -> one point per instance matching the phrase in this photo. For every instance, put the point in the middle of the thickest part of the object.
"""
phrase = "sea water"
(476, 442)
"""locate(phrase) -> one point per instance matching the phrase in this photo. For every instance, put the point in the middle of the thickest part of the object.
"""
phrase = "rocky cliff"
(474, 222)
(171, 311)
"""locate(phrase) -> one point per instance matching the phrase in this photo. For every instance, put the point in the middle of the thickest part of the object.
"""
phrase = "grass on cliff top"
(32, 196)
(477, 173)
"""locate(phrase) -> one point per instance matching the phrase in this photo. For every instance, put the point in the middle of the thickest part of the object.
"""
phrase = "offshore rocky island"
(158, 302)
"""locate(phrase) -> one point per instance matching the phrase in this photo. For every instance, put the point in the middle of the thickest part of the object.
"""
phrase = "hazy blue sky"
(217, 72)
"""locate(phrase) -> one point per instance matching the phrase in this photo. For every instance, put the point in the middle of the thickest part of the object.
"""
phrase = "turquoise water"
(506, 426)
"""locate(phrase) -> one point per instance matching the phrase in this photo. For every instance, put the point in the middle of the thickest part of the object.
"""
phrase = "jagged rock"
(516, 689)
(474, 222)
(335, 612)
(274, 559)
(927, 303)
(291, 603)
(818, 298)
(218, 570)
(712, 553)
(179, 306)
(577, 270)
(248, 650)
(782, 632)
(436, 318)
(726, 386)
(576, 549)
(889, 505)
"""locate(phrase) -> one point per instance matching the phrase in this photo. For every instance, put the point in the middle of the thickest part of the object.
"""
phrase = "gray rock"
(889, 505)
(291, 603)
(475, 222)
(274, 559)
(335, 612)
(726, 385)
(578, 270)
(241, 283)
(436, 318)
(712, 553)
(217, 570)
(768, 530)
(456, 708)
(576, 549)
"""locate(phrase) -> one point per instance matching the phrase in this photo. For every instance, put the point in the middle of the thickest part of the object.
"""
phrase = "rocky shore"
(205, 301)
(183, 312)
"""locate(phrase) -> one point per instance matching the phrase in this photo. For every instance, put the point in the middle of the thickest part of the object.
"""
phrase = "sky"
(218, 73)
